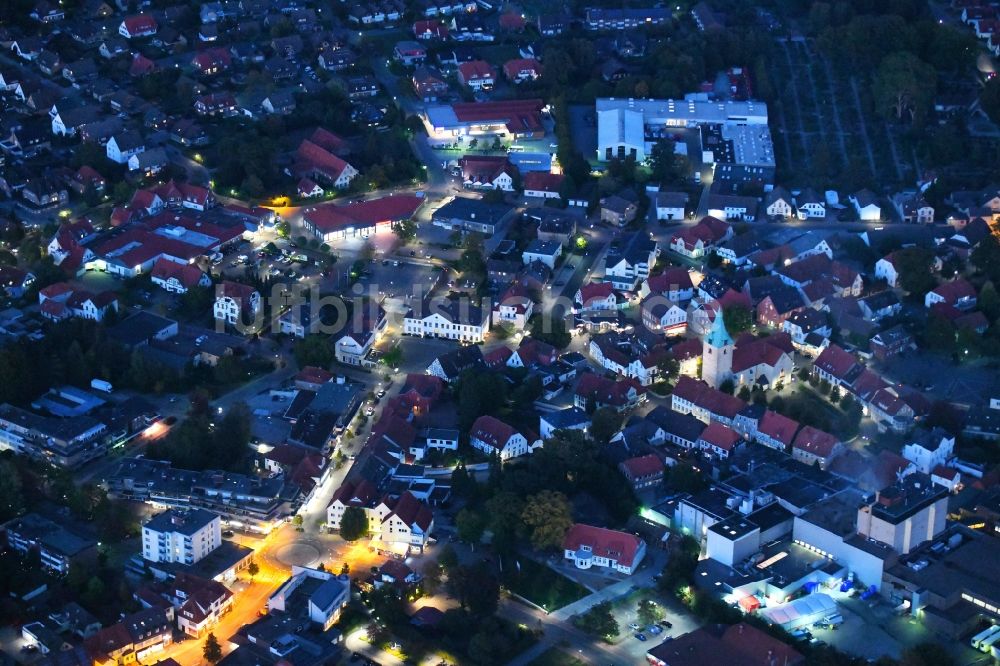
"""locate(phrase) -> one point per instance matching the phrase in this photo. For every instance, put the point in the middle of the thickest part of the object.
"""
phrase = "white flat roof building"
(622, 125)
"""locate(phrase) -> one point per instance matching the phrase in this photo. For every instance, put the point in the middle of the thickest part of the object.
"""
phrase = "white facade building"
(182, 537)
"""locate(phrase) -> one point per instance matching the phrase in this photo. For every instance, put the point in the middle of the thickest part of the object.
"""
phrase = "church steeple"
(717, 353)
(718, 336)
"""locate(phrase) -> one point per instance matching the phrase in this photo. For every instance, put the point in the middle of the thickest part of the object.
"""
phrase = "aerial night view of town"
(499, 332)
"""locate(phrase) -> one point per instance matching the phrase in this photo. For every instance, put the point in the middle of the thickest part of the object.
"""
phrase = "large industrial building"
(733, 132)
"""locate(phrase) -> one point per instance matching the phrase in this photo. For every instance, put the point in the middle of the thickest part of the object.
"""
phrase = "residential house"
(134, 27)
(542, 185)
(696, 241)
(485, 172)
(235, 303)
(671, 205)
(409, 53)
(546, 252)
(494, 437)
(890, 343)
(520, 70)
(124, 145)
(776, 431)
(629, 261)
(956, 293)
(815, 447)
(477, 75)
(447, 319)
(594, 391)
(587, 546)
(778, 203)
(866, 206)
(178, 278)
(911, 207)
(618, 210)
(810, 205)
(428, 84)
(661, 314)
(643, 471)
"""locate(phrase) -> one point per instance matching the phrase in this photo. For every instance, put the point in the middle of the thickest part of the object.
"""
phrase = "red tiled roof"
(367, 213)
(778, 427)
(955, 290)
(595, 291)
(719, 435)
(642, 466)
(361, 494)
(542, 181)
(815, 441)
(412, 511)
(492, 431)
(433, 27)
(188, 275)
(945, 472)
(475, 69)
(141, 23)
(690, 348)
(512, 68)
(519, 115)
(327, 140)
(756, 352)
(498, 357)
(672, 279)
(619, 546)
(704, 396)
(313, 156)
(313, 375)
(835, 361)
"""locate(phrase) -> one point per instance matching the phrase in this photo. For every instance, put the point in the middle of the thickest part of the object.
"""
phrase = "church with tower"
(717, 349)
(749, 361)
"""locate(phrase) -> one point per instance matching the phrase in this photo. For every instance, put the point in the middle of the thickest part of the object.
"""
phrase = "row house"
(695, 397)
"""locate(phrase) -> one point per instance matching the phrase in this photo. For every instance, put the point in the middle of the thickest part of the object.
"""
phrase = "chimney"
(341, 379)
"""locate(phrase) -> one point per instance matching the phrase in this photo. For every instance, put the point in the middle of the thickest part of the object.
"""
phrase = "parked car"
(641, 637)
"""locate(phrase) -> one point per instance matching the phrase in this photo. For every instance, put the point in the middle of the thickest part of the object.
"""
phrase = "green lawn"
(542, 586)
(556, 657)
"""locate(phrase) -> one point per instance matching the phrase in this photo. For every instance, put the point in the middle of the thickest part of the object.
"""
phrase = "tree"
(926, 654)
(253, 570)
(903, 87)
(353, 524)
(989, 99)
(405, 230)
(448, 558)
(548, 515)
(914, 267)
(599, 621)
(737, 319)
(313, 350)
(11, 498)
(430, 579)
(989, 302)
(605, 422)
(939, 334)
(649, 612)
(553, 331)
(986, 255)
(376, 633)
(470, 525)
(212, 650)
